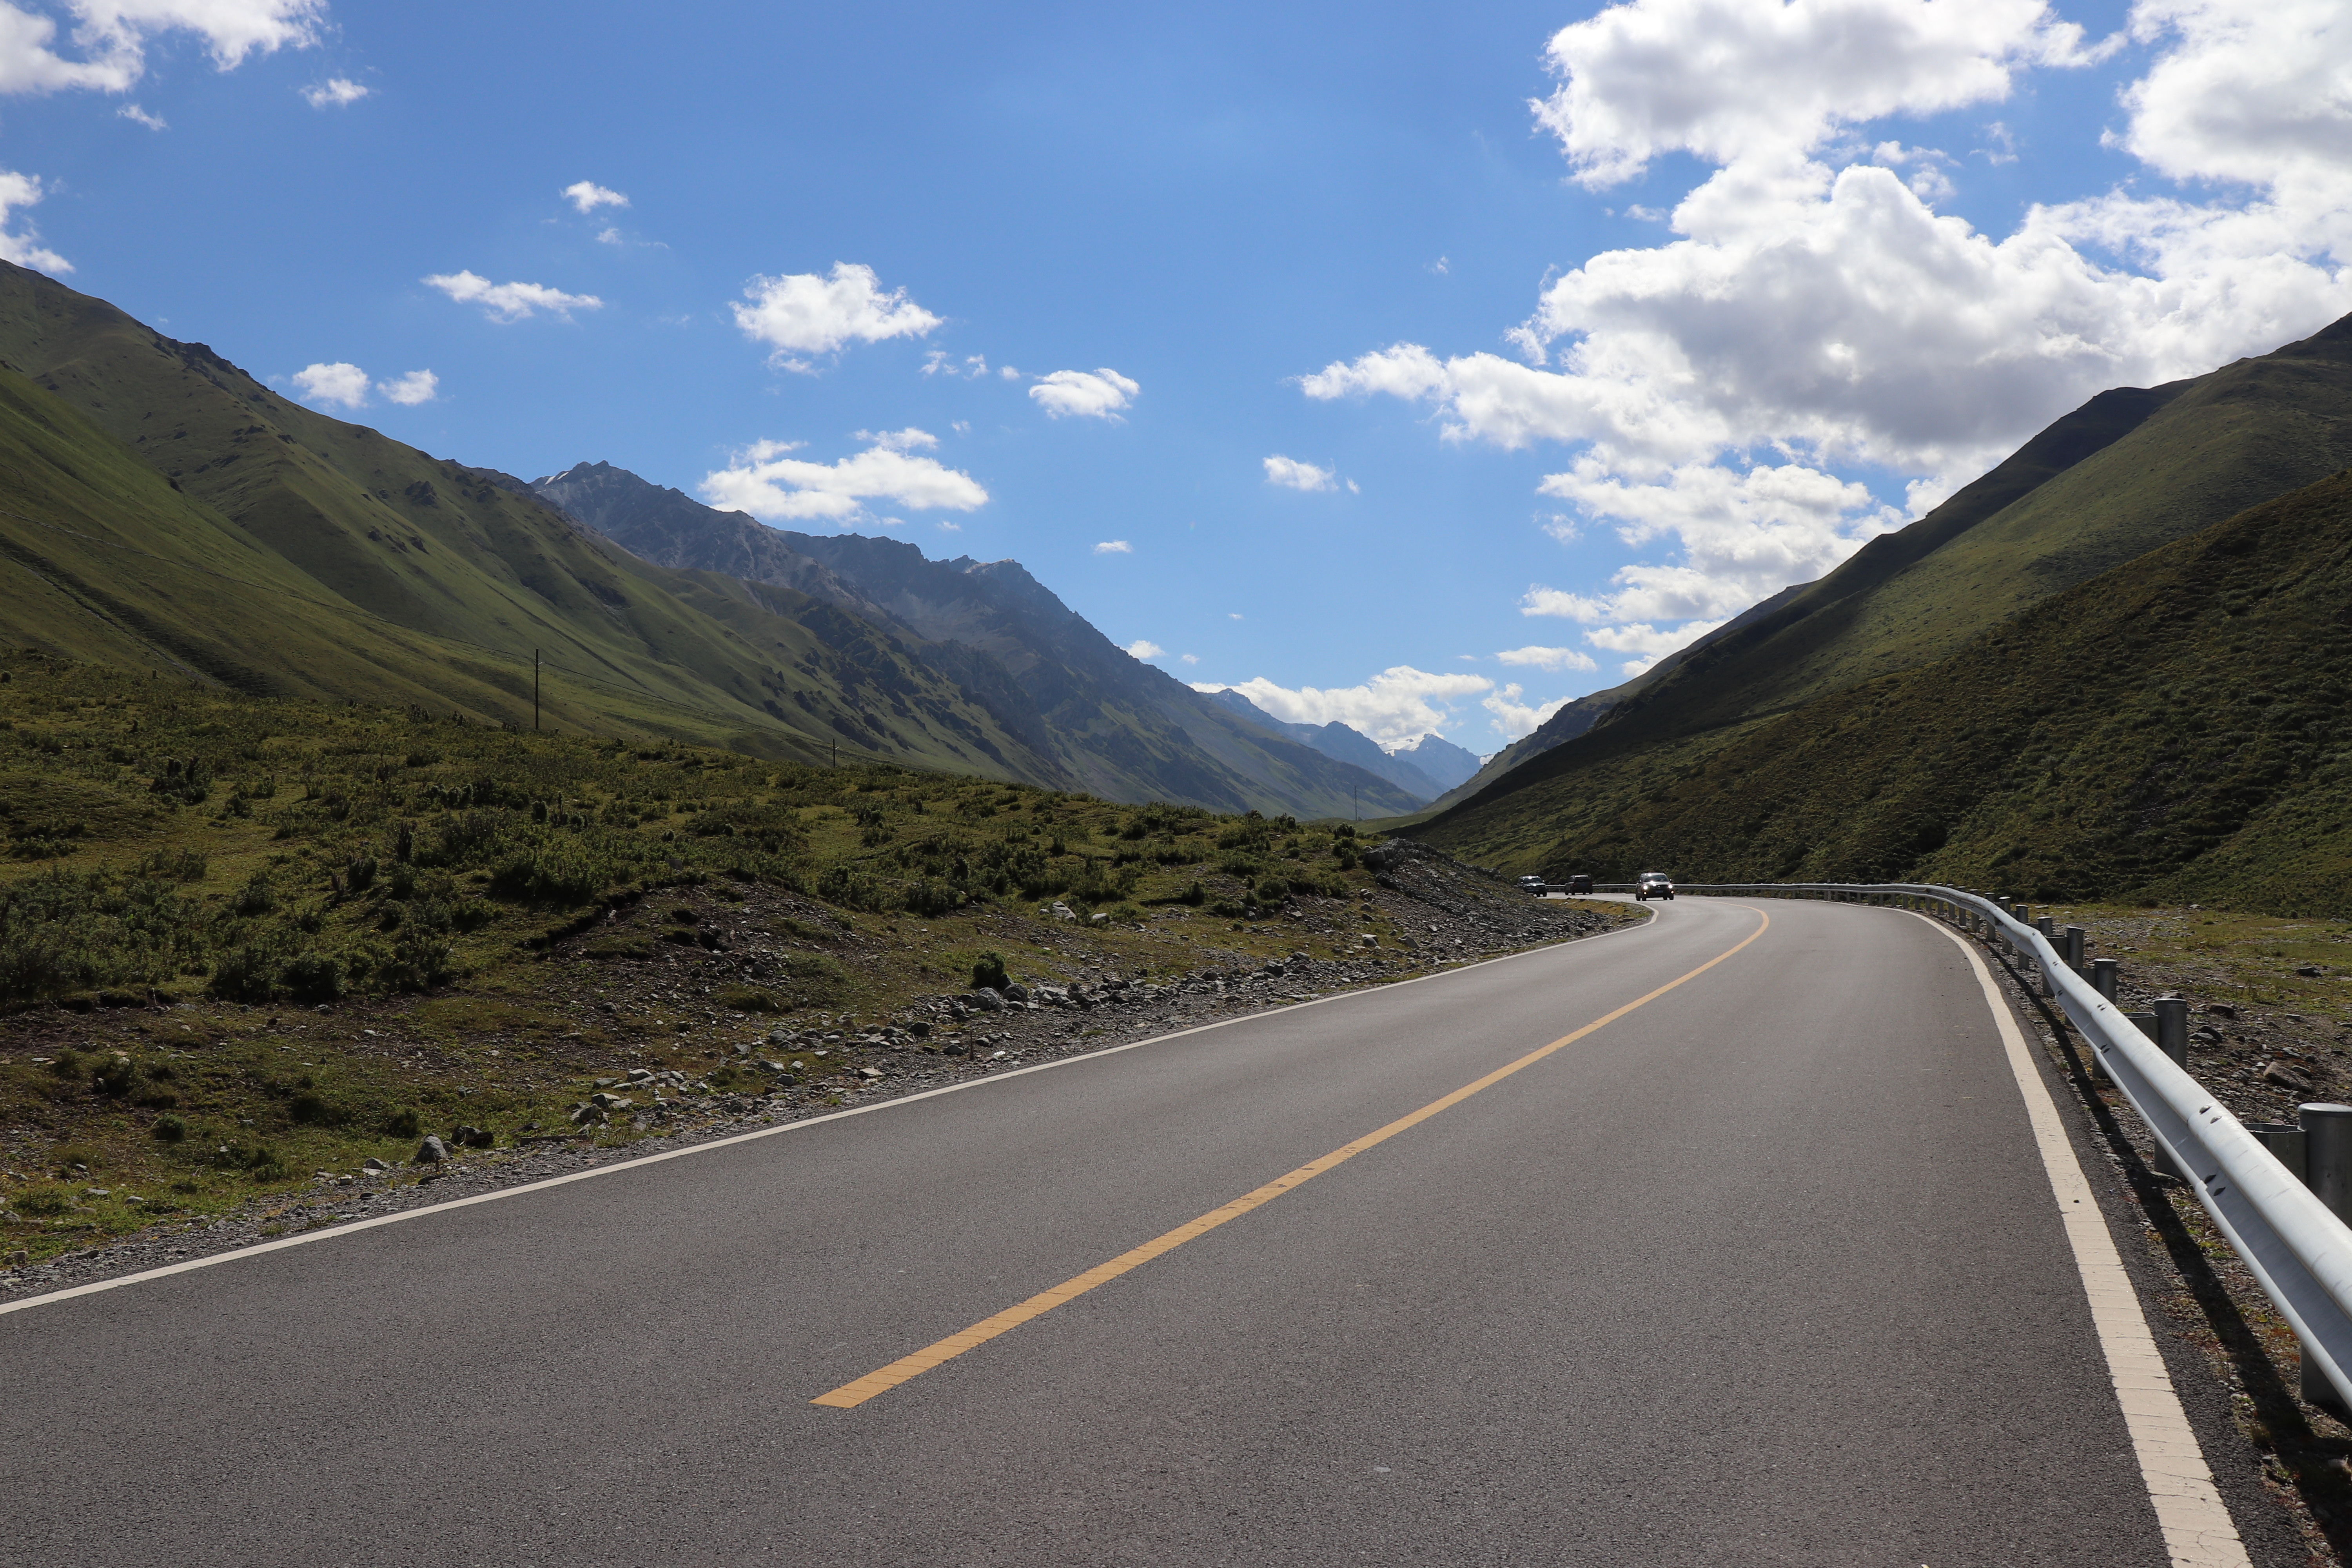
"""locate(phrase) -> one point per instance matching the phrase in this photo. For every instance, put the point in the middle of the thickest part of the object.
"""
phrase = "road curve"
(1764, 1270)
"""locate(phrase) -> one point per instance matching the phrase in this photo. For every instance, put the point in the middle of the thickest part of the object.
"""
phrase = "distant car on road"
(1533, 885)
(1653, 885)
(1579, 883)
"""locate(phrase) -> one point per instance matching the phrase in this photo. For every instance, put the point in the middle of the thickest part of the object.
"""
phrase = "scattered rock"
(2309, 971)
(987, 999)
(374, 1164)
(432, 1152)
(475, 1137)
(869, 1073)
(1102, 919)
(2220, 1009)
(1016, 994)
(2285, 1077)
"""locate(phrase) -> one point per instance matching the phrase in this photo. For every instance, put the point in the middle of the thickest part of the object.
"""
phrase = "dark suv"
(1579, 883)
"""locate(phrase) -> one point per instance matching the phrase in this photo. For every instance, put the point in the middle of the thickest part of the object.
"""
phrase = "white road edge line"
(330, 1232)
(2198, 1530)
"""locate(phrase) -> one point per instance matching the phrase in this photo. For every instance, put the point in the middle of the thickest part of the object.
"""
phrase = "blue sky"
(1760, 281)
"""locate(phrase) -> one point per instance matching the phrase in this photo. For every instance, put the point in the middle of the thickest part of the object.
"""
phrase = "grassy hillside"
(276, 550)
(2176, 727)
(245, 938)
(2126, 472)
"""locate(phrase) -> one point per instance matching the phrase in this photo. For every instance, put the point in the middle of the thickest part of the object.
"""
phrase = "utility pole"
(1355, 800)
(534, 690)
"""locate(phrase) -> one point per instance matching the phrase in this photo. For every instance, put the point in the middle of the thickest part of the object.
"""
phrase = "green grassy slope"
(2126, 472)
(2180, 727)
(412, 579)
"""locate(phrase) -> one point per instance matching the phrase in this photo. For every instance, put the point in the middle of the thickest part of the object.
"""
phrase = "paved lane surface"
(1765, 1271)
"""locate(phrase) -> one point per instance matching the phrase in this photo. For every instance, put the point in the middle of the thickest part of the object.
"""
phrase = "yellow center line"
(849, 1395)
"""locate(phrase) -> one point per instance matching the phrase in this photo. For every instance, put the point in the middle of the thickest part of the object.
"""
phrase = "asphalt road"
(1765, 1271)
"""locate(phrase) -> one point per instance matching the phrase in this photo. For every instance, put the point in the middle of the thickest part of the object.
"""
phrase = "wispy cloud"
(1547, 658)
(510, 301)
(1114, 547)
(335, 92)
(138, 116)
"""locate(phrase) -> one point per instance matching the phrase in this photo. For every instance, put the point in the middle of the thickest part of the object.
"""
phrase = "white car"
(1652, 885)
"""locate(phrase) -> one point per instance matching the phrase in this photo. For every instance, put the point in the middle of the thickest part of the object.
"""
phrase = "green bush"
(173, 866)
(312, 977)
(931, 900)
(246, 976)
(169, 1130)
(988, 971)
(256, 897)
(311, 1109)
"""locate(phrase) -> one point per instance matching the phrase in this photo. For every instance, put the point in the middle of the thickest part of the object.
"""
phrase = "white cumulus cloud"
(1646, 643)
(1744, 535)
(769, 483)
(1547, 658)
(340, 383)
(335, 92)
(587, 195)
(408, 391)
(346, 385)
(1291, 474)
(1093, 394)
(1814, 315)
(510, 301)
(1398, 705)
(1114, 547)
(1514, 716)
(1727, 79)
(804, 314)
(21, 242)
(1144, 647)
(110, 39)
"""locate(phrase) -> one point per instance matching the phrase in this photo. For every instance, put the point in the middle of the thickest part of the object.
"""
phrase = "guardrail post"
(2172, 1029)
(2328, 1172)
(2103, 976)
(2076, 948)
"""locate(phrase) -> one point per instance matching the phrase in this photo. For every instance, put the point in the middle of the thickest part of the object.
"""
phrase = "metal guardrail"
(2298, 1250)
